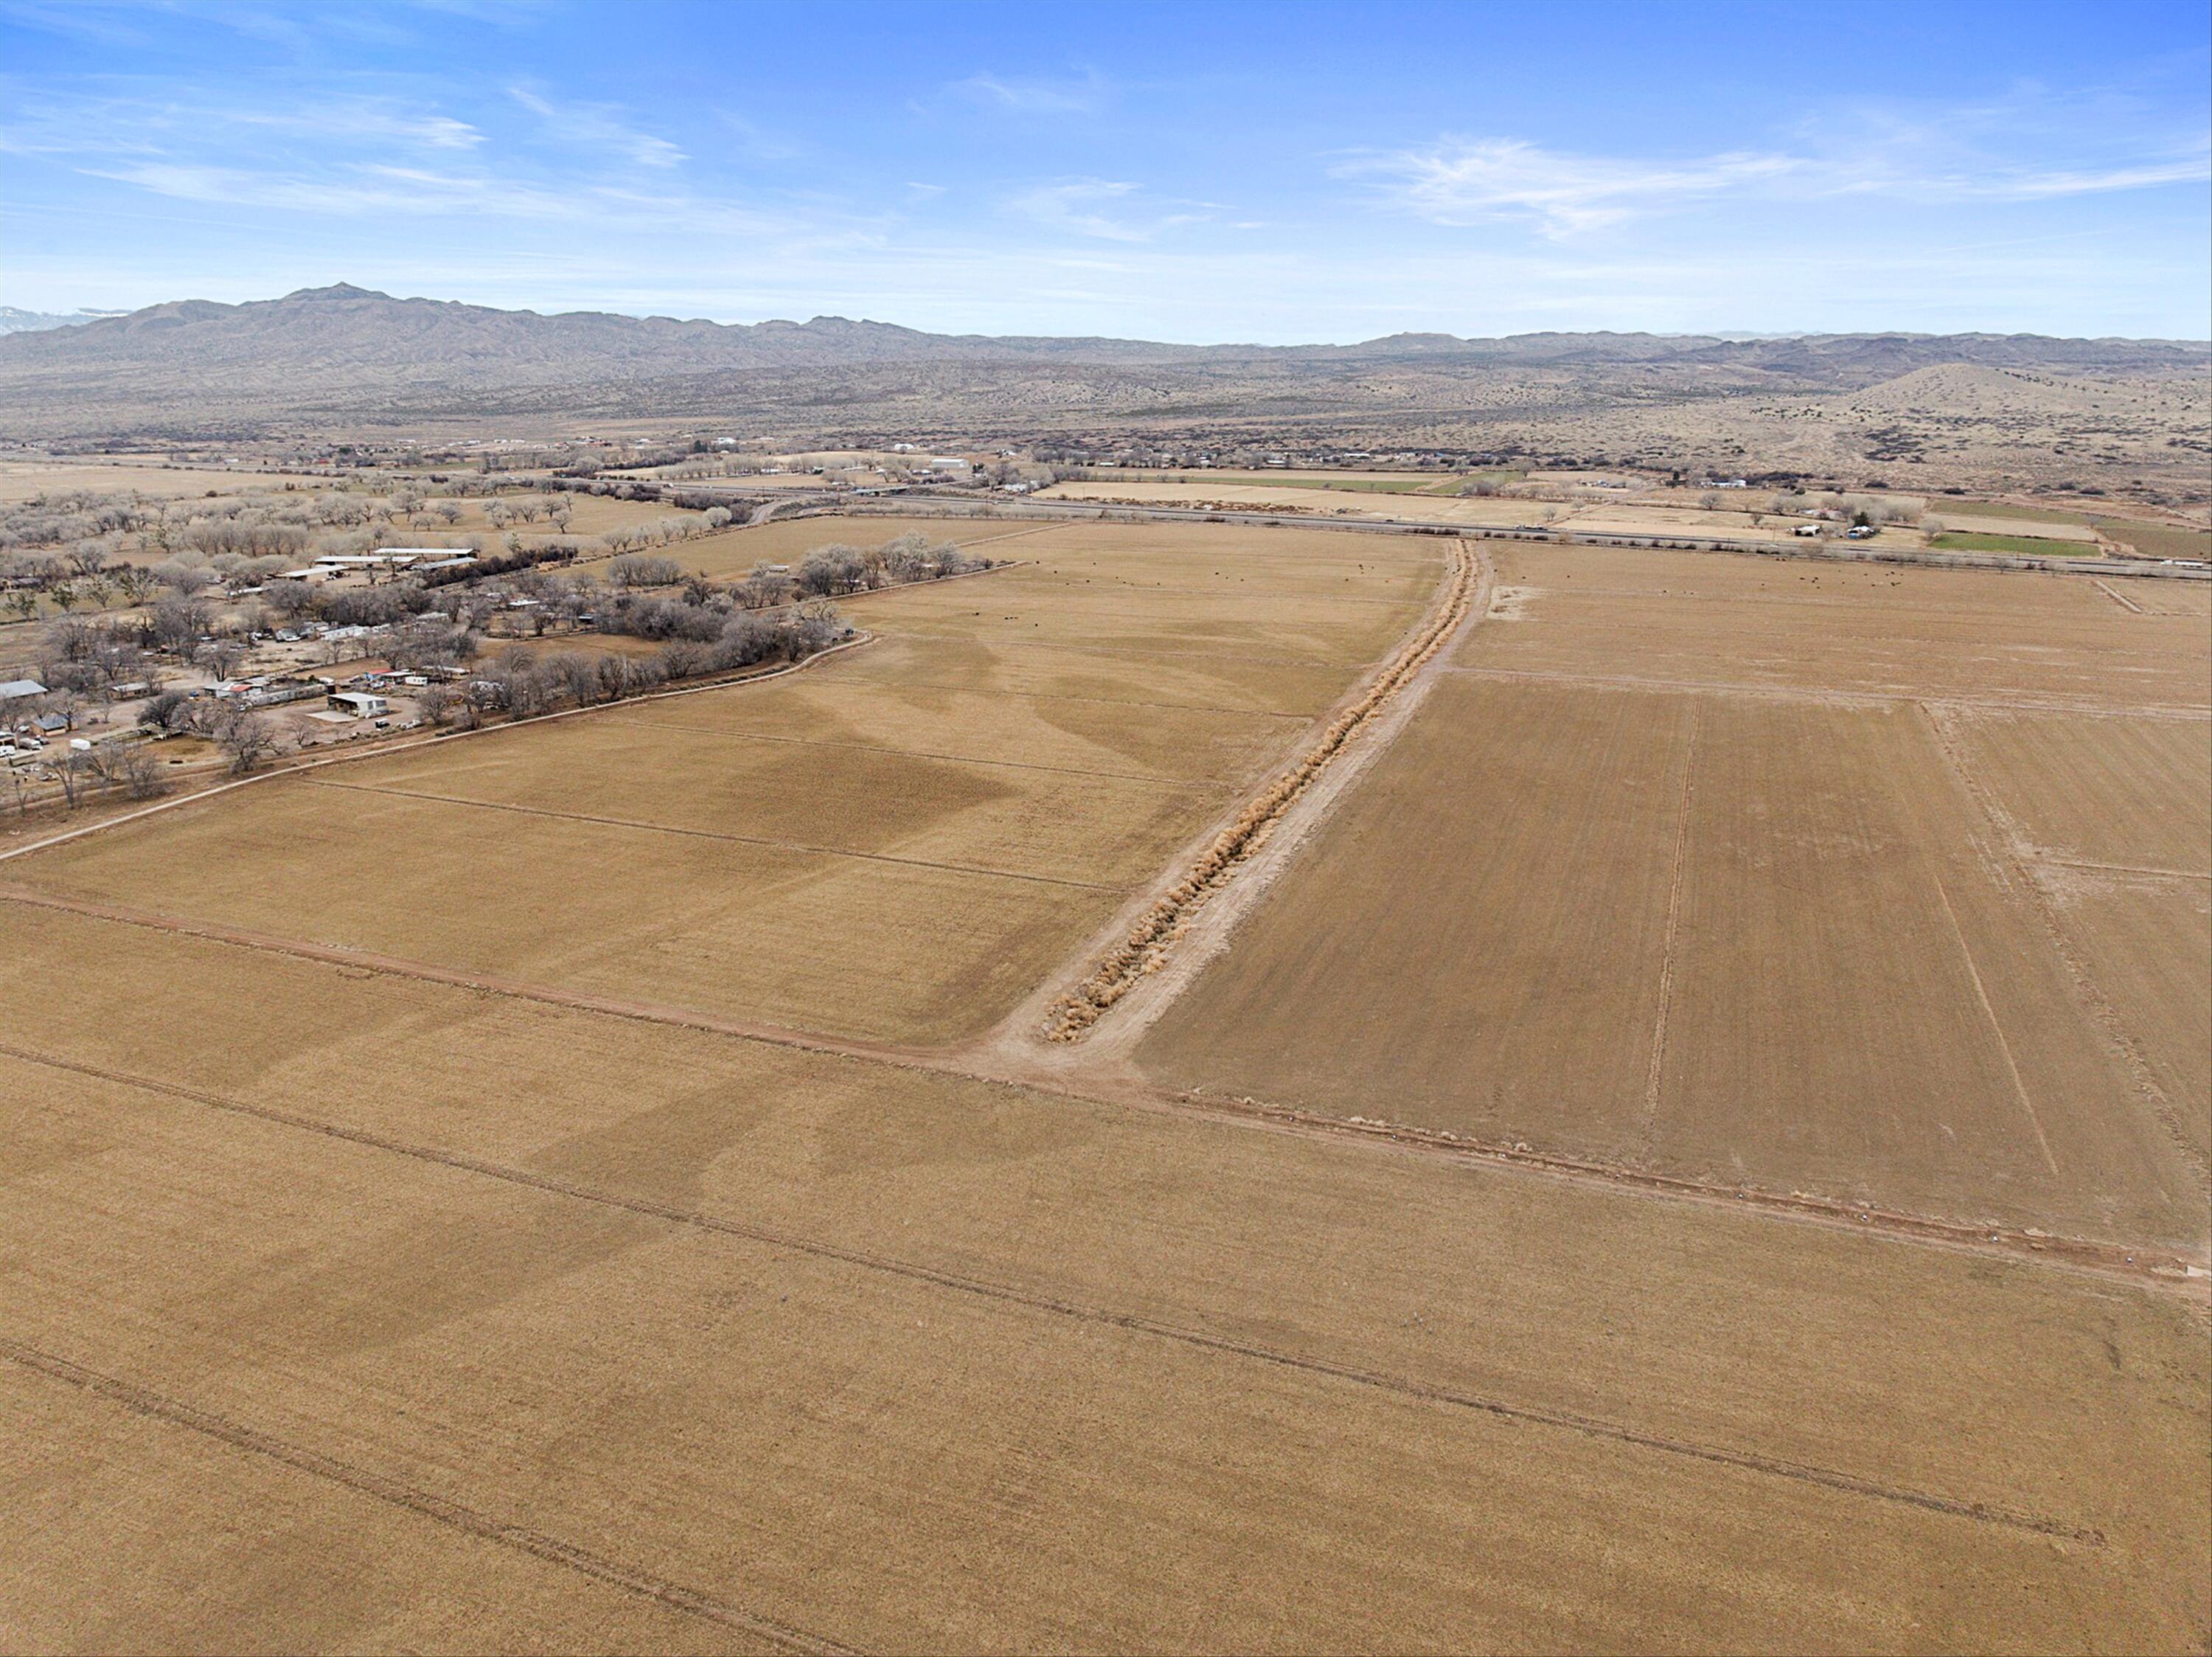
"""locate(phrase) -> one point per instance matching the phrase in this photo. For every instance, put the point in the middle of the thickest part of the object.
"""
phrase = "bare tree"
(436, 701)
(221, 657)
(74, 775)
(129, 766)
(247, 737)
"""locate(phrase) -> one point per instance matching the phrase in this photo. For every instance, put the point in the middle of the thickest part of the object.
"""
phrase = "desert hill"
(348, 358)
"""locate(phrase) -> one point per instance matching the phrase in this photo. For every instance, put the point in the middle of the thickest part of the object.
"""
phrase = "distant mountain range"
(13, 320)
(345, 356)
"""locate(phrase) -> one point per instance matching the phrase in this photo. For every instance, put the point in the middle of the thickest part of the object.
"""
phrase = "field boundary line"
(1996, 1025)
(1068, 584)
(396, 966)
(795, 846)
(2012, 843)
(2143, 869)
(2161, 1266)
(1062, 696)
(1135, 1322)
(144, 1402)
(917, 635)
(1156, 930)
(1649, 1131)
(2117, 596)
(2029, 705)
(415, 745)
(930, 753)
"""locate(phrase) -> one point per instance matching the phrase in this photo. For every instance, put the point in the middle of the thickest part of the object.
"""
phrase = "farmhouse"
(14, 690)
(359, 703)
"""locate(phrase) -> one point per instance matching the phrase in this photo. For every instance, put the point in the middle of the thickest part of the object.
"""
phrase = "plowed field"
(583, 1187)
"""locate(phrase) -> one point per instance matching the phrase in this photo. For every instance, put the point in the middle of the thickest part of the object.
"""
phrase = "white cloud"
(1458, 181)
(362, 119)
(1033, 96)
(1463, 181)
(366, 188)
(1077, 206)
(599, 127)
(154, 125)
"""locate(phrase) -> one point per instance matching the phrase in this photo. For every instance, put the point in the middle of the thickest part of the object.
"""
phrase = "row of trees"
(525, 684)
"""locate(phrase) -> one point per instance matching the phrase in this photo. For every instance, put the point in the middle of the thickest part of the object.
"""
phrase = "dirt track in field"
(1114, 1082)
(1160, 926)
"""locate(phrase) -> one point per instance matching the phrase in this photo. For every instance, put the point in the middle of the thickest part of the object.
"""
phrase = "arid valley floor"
(1686, 1127)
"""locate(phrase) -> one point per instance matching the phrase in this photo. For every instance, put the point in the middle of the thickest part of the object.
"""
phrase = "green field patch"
(2035, 546)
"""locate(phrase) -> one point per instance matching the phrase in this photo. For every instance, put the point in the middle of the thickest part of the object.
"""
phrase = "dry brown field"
(2111, 819)
(2132, 792)
(2172, 598)
(737, 1327)
(1717, 619)
(845, 882)
(561, 1189)
(1737, 872)
(22, 480)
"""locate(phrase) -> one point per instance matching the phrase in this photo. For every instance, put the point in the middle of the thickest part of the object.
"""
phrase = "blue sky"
(1228, 173)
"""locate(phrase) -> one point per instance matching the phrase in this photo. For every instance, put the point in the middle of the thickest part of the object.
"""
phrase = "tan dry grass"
(2117, 791)
(831, 883)
(1777, 960)
(24, 480)
(1144, 949)
(490, 1299)
(211, 1526)
(1719, 618)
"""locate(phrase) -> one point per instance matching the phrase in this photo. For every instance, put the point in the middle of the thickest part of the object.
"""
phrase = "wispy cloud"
(1080, 206)
(361, 118)
(598, 127)
(141, 124)
(353, 189)
(1033, 95)
(1459, 181)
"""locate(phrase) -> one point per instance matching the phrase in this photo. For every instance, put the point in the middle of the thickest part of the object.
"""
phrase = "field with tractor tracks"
(605, 1183)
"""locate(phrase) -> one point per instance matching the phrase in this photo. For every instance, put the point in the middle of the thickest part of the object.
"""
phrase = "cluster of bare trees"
(838, 569)
(525, 684)
(243, 734)
(1873, 509)
(110, 766)
(66, 517)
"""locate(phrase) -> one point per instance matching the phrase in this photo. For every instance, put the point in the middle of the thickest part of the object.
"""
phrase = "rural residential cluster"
(684, 986)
